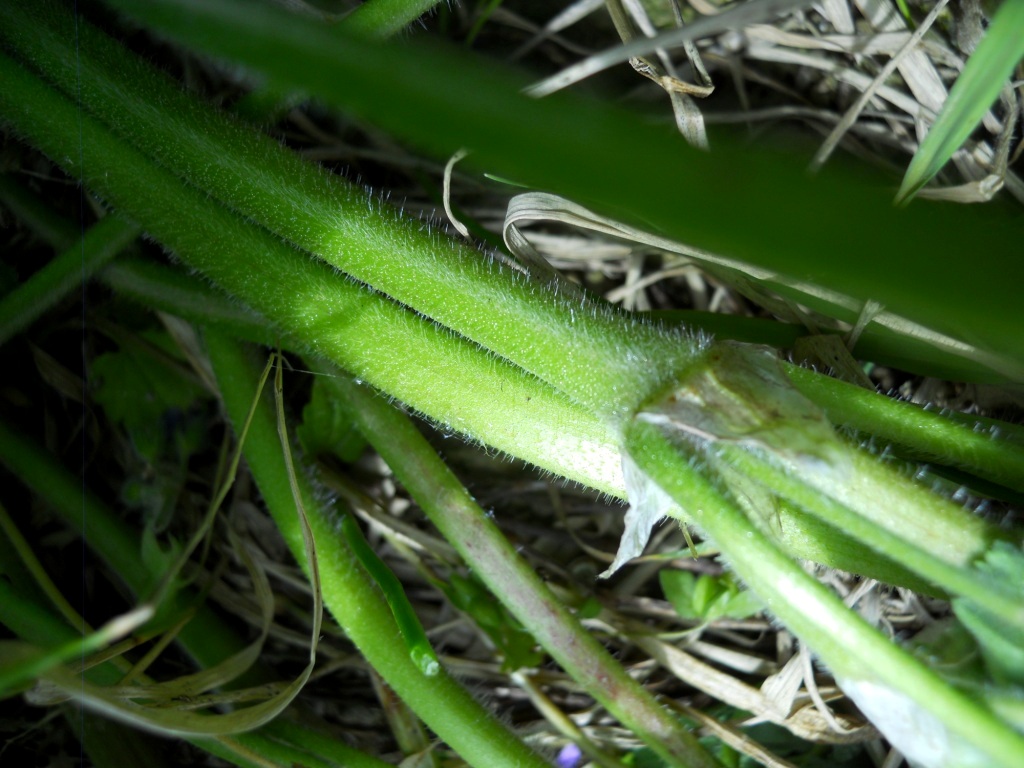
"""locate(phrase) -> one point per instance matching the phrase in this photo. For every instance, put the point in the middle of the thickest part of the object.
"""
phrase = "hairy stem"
(348, 590)
(871, 668)
(469, 391)
(602, 358)
(486, 551)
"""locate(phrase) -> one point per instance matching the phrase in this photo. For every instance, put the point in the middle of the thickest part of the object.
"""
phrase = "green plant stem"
(590, 152)
(357, 329)
(469, 391)
(891, 535)
(877, 343)
(408, 623)
(489, 554)
(170, 290)
(384, 18)
(43, 221)
(601, 357)
(930, 435)
(452, 381)
(349, 592)
(32, 298)
(856, 653)
(804, 537)
(883, 497)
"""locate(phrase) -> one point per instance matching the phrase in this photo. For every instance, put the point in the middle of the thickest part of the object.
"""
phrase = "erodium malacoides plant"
(723, 436)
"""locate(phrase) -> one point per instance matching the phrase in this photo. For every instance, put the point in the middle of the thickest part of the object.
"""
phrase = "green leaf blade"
(983, 77)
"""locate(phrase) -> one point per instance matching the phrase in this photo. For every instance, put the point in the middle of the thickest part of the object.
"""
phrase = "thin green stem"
(57, 279)
(489, 554)
(349, 591)
(413, 634)
(892, 536)
(929, 434)
(882, 678)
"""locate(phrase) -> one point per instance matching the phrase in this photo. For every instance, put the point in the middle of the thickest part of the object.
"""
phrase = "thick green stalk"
(166, 289)
(58, 278)
(740, 200)
(892, 686)
(398, 352)
(601, 357)
(489, 554)
(471, 392)
(348, 591)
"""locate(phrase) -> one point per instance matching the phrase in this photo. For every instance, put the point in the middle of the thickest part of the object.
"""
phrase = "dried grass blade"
(735, 18)
(853, 113)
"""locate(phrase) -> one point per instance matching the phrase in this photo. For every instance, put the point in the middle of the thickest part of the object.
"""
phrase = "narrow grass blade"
(58, 278)
(984, 76)
(21, 663)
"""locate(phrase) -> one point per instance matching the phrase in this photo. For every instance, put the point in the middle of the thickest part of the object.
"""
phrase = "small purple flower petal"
(569, 756)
